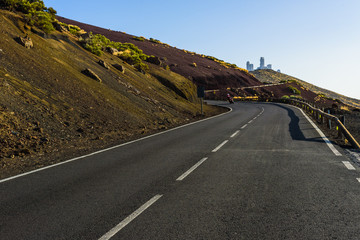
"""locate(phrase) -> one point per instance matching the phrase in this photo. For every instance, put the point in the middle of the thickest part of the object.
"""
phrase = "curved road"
(260, 171)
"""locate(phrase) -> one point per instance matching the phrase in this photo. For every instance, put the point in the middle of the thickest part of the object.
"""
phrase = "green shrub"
(36, 14)
(141, 39)
(155, 41)
(141, 67)
(285, 97)
(296, 97)
(95, 49)
(294, 90)
(42, 20)
(73, 29)
(128, 52)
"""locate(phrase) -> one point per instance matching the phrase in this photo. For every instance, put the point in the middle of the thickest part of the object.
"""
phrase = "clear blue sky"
(317, 41)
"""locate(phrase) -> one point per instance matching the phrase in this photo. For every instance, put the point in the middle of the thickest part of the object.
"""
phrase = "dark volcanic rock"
(119, 67)
(154, 60)
(26, 42)
(113, 51)
(88, 72)
(104, 64)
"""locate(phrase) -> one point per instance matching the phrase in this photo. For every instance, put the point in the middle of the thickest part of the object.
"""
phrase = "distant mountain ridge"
(271, 76)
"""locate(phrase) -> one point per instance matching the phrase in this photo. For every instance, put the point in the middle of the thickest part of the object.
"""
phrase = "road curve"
(259, 172)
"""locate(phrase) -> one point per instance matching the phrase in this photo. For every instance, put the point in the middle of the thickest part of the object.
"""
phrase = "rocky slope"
(271, 76)
(51, 109)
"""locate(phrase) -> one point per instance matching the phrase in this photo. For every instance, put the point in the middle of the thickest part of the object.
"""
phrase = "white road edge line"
(250, 121)
(235, 133)
(131, 217)
(358, 179)
(326, 140)
(110, 148)
(220, 146)
(244, 126)
(348, 165)
(184, 175)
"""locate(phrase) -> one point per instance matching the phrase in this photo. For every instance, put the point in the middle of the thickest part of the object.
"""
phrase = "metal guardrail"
(317, 114)
(325, 118)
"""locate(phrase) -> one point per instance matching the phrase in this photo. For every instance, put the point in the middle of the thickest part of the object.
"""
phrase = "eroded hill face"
(50, 109)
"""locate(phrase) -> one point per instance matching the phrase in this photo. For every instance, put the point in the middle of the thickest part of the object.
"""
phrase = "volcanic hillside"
(58, 100)
(210, 72)
(271, 76)
(202, 70)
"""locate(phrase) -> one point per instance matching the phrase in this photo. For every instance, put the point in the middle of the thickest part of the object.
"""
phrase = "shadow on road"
(294, 129)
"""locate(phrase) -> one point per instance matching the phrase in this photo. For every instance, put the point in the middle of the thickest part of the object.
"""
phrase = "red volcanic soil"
(206, 73)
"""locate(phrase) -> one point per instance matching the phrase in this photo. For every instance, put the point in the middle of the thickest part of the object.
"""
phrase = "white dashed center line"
(220, 146)
(131, 217)
(191, 169)
(348, 165)
(235, 133)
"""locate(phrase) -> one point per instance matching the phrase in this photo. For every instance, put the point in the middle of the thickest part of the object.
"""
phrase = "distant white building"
(250, 66)
(262, 63)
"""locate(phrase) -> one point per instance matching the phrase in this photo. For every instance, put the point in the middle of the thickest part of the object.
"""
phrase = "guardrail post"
(342, 120)
(329, 125)
(340, 134)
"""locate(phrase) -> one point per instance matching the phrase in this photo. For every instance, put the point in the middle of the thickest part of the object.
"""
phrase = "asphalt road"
(259, 172)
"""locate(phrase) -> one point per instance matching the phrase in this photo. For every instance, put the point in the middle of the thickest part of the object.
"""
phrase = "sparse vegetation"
(155, 41)
(36, 14)
(193, 64)
(295, 97)
(128, 52)
(294, 90)
(75, 30)
(225, 64)
(141, 39)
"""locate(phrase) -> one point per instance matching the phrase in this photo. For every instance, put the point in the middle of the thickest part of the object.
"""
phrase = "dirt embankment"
(50, 110)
